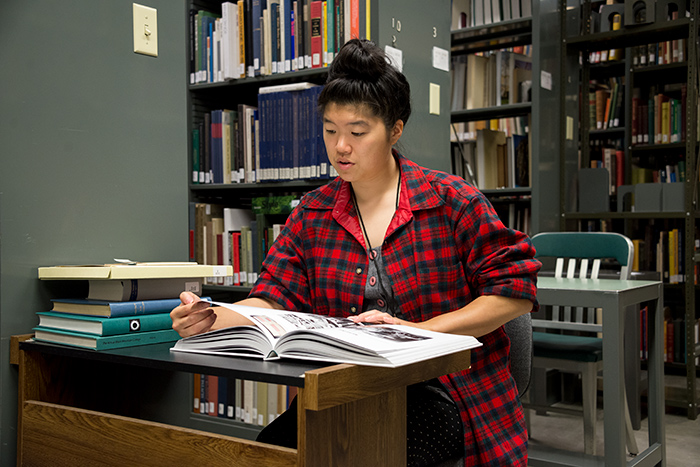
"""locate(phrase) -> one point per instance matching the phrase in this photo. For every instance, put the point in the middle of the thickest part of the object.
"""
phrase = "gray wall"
(426, 138)
(93, 153)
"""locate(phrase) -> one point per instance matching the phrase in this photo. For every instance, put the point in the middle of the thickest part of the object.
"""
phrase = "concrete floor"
(566, 432)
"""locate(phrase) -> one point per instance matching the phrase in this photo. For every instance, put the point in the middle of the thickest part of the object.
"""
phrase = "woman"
(391, 242)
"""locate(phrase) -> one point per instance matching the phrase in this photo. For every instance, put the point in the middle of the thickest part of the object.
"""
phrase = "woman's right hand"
(193, 316)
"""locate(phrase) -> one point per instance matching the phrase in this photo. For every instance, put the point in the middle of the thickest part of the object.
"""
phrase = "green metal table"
(613, 296)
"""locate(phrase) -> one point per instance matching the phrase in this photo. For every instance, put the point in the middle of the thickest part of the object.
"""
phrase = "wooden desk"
(613, 296)
(349, 415)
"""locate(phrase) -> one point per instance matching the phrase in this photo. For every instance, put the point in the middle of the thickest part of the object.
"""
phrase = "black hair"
(361, 75)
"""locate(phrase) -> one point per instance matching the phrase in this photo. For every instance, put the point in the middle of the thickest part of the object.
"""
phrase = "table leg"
(656, 376)
(613, 382)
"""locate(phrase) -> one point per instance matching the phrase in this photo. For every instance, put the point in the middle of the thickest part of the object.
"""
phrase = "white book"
(276, 334)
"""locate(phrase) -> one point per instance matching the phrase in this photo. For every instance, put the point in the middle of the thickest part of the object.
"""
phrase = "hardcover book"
(126, 290)
(102, 326)
(90, 341)
(133, 270)
(113, 309)
(287, 334)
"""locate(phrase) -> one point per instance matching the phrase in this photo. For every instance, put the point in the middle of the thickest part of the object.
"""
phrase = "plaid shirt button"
(353, 310)
(358, 270)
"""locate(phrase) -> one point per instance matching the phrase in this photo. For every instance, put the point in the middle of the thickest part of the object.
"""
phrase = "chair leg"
(588, 380)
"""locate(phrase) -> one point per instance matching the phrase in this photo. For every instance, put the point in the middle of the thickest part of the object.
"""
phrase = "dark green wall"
(93, 149)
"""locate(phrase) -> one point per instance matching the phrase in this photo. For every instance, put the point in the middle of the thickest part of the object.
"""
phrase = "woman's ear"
(396, 131)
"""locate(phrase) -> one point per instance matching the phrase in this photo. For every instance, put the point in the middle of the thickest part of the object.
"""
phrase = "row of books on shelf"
(661, 118)
(491, 78)
(606, 103)
(470, 13)
(251, 402)
(659, 53)
(233, 237)
(663, 251)
(674, 337)
(493, 160)
(280, 139)
(263, 37)
(669, 173)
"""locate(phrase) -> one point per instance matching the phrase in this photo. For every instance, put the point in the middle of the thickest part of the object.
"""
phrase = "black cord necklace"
(391, 301)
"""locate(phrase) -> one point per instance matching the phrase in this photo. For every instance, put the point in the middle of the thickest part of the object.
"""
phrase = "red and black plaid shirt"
(444, 247)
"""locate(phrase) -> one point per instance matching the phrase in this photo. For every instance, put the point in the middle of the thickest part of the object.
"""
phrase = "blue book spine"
(256, 36)
(274, 19)
(288, 46)
(118, 309)
(223, 396)
(217, 146)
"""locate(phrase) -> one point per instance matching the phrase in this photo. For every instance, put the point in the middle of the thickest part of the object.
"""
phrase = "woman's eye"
(357, 134)
(330, 132)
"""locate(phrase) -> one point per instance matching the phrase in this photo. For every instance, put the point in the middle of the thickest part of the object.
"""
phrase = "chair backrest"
(585, 246)
(519, 332)
(579, 250)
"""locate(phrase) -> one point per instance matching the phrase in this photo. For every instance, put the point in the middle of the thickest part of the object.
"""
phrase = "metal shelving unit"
(577, 42)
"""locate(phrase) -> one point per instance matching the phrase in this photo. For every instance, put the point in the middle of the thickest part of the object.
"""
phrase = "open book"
(288, 334)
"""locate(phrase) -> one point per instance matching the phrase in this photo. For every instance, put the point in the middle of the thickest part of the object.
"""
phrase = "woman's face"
(358, 143)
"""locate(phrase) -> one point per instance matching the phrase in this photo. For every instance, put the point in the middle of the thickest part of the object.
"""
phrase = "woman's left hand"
(379, 317)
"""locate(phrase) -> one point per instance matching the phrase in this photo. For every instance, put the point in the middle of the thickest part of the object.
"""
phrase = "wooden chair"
(555, 346)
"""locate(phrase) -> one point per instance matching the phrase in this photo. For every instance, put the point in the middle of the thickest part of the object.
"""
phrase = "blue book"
(257, 13)
(217, 146)
(103, 326)
(113, 309)
(90, 341)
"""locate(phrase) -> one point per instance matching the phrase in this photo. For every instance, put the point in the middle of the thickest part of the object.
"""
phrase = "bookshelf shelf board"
(208, 288)
(487, 113)
(625, 215)
(608, 69)
(662, 148)
(631, 36)
(209, 420)
(313, 74)
(263, 189)
(509, 193)
(493, 36)
(617, 132)
(668, 73)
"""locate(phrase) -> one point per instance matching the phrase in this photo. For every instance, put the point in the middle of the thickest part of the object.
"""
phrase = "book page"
(276, 323)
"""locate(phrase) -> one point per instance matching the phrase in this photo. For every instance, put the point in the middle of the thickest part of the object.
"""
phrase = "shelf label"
(546, 80)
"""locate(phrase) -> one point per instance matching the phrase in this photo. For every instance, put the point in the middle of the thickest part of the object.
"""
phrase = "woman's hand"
(379, 317)
(193, 316)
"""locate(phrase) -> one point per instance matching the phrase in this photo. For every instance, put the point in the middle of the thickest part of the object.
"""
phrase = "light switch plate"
(434, 99)
(145, 30)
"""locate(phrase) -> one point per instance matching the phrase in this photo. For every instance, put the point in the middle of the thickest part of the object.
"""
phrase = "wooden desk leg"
(370, 431)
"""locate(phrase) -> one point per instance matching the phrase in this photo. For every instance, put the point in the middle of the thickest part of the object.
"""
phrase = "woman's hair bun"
(361, 75)
(358, 60)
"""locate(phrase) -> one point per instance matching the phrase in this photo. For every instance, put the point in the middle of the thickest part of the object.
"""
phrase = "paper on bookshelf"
(137, 270)
(287, 334)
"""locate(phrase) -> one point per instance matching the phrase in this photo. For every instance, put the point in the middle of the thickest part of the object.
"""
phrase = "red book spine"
(316, 13)
(236, 257)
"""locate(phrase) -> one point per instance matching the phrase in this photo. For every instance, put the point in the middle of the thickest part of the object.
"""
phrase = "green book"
(91, 341)
(102, 326)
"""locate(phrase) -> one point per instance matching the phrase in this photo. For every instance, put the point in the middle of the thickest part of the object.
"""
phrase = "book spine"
(146, 323)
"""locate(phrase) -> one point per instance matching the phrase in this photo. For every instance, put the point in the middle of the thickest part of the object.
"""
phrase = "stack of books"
(128, 304)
